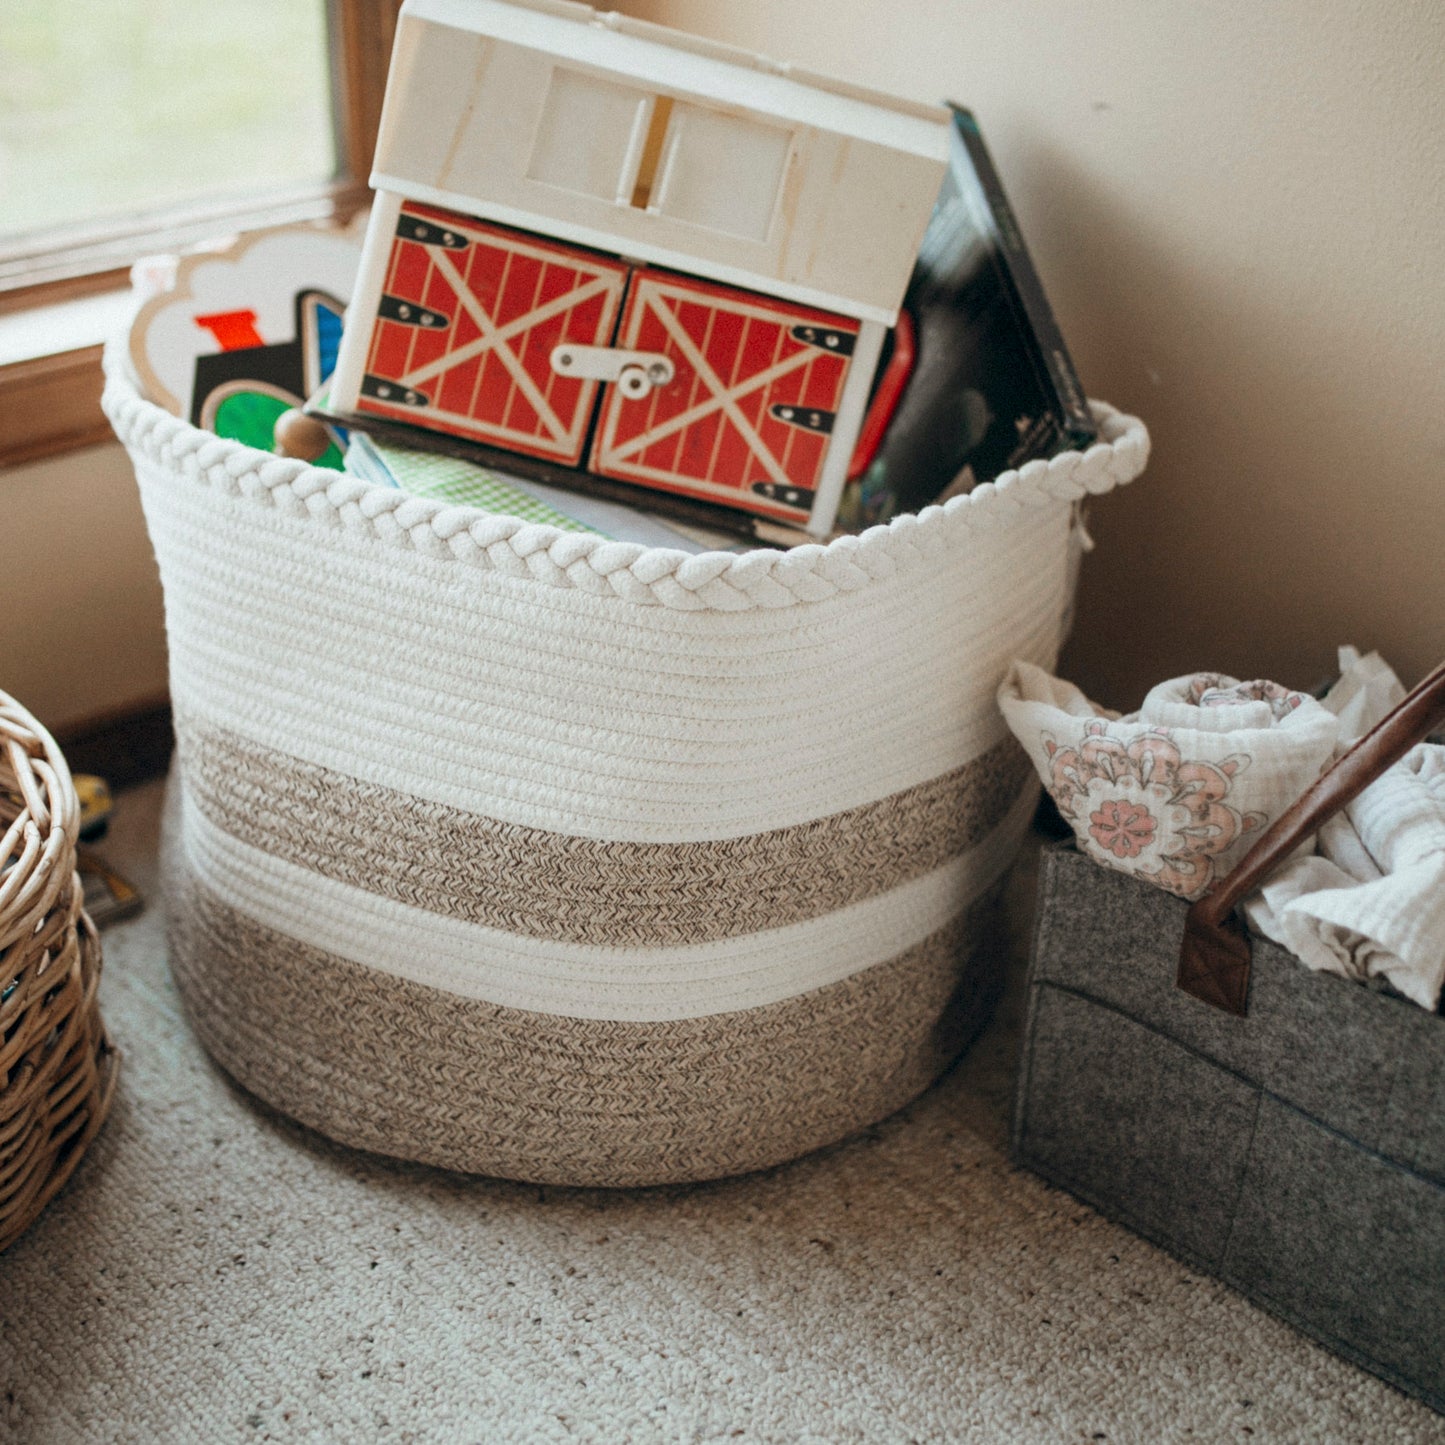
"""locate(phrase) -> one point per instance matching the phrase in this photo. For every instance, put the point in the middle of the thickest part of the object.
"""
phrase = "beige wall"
(81, 631)
(1239, 211)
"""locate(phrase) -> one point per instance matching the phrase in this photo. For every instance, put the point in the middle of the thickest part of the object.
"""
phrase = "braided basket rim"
(718, 581)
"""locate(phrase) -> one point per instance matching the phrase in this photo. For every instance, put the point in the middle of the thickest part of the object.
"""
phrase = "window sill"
(50, 350)
(51, 404)
(49, 332)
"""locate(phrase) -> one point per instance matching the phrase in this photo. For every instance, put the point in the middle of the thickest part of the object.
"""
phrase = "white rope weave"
(436, 810)
(649, 576)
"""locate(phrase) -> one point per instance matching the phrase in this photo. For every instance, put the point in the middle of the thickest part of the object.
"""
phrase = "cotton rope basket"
(57, 1068)
(539, 855)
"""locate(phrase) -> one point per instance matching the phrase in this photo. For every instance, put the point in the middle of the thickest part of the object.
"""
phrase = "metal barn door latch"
(635, 372)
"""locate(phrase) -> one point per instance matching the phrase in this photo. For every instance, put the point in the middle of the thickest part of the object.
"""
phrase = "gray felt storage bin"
(1297, 1153)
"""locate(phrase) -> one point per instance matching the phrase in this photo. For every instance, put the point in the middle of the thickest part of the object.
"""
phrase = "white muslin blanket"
(1176, 793)
(1371, 903)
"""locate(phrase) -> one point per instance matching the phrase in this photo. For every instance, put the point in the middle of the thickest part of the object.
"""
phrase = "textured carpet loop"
(214, 1273)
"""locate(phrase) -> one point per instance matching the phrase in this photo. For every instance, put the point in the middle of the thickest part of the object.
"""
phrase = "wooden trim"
(51, 404)
(62, 289)
(363, 32)
(125, 746)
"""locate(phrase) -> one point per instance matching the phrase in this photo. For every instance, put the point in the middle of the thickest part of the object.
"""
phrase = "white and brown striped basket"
(57, 1068)
(540, 855)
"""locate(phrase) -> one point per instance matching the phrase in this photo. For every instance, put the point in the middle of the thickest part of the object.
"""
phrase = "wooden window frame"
(50, 404)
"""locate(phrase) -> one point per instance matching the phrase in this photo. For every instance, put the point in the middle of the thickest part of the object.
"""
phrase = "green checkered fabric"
(426, 474)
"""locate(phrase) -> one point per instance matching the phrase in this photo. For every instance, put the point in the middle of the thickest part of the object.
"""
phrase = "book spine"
(1026, 284)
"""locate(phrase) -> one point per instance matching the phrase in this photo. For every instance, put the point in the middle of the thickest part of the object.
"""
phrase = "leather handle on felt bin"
(1214, 956)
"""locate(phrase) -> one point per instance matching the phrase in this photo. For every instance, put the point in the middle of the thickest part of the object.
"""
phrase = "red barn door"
(748, 416)
(467, 322)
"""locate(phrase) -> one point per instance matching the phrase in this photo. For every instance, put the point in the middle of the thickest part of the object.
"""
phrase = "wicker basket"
(57, 1066)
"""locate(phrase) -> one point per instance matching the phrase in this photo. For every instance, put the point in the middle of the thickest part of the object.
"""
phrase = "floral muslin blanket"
(1176, 793)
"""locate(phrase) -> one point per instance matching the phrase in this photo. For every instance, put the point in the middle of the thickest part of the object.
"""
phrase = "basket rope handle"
(1214, 956)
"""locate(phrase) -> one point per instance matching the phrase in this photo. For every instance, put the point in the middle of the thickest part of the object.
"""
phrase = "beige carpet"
(213, 1273)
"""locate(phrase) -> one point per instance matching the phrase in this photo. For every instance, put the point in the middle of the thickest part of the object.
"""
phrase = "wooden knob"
(300, 436)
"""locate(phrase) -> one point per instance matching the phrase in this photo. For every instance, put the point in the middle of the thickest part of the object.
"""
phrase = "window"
(129, 127)
(122, 106)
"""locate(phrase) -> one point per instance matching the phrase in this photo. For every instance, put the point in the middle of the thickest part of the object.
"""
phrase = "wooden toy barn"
(625, 251)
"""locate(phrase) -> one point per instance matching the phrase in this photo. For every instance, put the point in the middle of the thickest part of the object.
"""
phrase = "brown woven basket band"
(539, 884)
(385, 1064)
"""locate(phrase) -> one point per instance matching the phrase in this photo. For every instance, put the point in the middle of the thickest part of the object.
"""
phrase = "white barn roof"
(640, 140)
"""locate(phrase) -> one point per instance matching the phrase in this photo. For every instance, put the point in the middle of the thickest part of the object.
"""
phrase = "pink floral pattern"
(1142, 807)
(1122, 828)
(1210, 689)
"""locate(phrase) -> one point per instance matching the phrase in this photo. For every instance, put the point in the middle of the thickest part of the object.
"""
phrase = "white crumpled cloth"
(1176, 793)
(1371, 903)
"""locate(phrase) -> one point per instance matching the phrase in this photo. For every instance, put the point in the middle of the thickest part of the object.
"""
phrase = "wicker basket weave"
(57, 1066)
